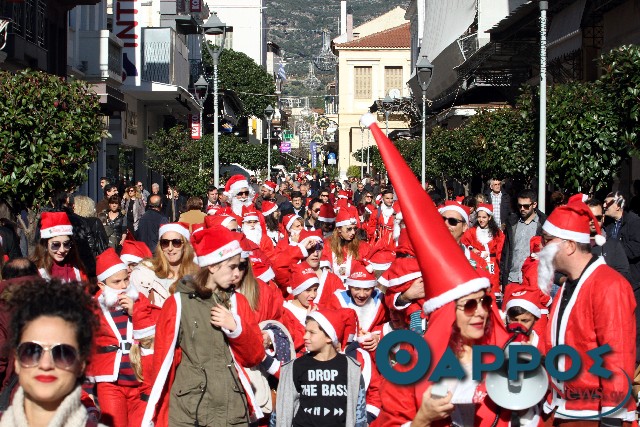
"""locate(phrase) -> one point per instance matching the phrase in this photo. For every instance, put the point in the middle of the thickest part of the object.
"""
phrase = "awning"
(163, 93)
(444, 23)
(565, 35)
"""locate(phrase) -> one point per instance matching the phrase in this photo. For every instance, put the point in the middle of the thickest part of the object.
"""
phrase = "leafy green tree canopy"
(49, 135)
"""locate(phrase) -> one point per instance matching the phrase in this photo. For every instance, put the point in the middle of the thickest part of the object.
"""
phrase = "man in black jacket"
(501, 202)
(519, 230)
(612, 250)
(150, 223)
(625, 228)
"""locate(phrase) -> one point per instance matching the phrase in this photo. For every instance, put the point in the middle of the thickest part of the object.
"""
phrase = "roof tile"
(397, 37)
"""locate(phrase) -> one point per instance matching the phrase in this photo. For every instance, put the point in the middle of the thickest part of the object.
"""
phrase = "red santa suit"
(385, 221)
(490, 251)
(600, 311)
(342, 270)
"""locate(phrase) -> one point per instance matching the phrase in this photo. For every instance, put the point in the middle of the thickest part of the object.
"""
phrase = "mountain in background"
(296, 26)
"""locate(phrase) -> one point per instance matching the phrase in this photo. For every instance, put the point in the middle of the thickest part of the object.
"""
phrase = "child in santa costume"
(344, 247)
(308, 250)
(461, 312)
(110, 367)
(292, 225)
(304, 287)
(56, 255)
(206, 333)
(486, 239)
(523, 307)
(133, 252)
(367, 301)
(323, 387)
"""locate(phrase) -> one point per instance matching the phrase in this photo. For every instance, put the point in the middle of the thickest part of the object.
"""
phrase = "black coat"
(10, 242)
(148, 228)
(629, 237)
(509, 243)
(505, 206)
(614, 256)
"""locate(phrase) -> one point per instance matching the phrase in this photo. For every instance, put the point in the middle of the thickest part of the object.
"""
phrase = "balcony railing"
(101, 56)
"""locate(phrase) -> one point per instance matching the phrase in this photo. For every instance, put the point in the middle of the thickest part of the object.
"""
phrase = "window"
(393, 79)
(362, 82)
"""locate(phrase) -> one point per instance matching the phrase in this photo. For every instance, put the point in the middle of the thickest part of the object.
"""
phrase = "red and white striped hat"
(486, 207)
(235, 184)
(527, 299)
(270, 185)
(249, 214)
(108, 263)
(289, 219)
(572, 222)
(181, 228)
(54, 224)
(214, 245)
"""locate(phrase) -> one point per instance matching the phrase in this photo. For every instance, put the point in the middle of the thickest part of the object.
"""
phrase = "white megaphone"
(526, 391)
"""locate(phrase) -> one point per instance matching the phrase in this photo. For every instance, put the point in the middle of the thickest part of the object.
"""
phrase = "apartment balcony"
(165, 57)
(101, 57)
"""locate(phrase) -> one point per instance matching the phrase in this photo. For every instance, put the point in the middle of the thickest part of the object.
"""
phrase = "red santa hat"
(261, 267)
(213, 209)
(306, 235)
(332, 322)
(270, 185)
(268, 207)
(459, 199)
(351, 326)
(249, 214)
(572, 222)
(516, 296)
(182, 228)
(450, 205)
(235, 184)
(360, 277)
(134, 252)
(214, 245)
(486, 207)
(579, 197)
(402, 270)
(218, 220)
(196, 228)
(342, 194)
(535, 244)
(289, 219)
(302, 278)
(379, 257)
(447, 273)
(54, 224)
(327, 214)
(379, 199)
(345, 218)
(108, 263)
(144, 321)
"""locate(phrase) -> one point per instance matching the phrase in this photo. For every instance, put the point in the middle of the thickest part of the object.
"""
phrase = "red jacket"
(600, 311)
(492, 252)
(341, 270)
(342, 299)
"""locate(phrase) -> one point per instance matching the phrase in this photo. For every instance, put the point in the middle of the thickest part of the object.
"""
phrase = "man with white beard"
(595, 306)
(252, 229)
(240, 195)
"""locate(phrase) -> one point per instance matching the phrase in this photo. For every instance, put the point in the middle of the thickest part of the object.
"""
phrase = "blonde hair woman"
(133, 207)
(173, 259)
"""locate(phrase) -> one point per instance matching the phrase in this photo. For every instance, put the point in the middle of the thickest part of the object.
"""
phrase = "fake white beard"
(396, 231)
(253, 233)
(109, 297)
(236, 205)
(386, 211)
(545, 266)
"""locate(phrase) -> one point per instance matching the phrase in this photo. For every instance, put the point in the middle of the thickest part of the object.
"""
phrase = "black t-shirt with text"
(323, 391)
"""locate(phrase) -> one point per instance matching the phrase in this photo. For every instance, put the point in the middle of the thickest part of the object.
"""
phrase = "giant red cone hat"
(446, 271)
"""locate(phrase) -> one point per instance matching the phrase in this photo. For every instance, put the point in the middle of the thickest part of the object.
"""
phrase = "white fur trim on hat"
(380, 267)
(488, 211)
(289, 224)
(225, 252)
(364, 284)
(324, 324)
(250, 218)
(128, 258)
(138, 334)
(346, 222)
(566, 234)
(176, 228)
(58, 230)
(325, 264)
(464, 289)
(328, 220)
(267, 275)
(396, 281)
(305, 285)
(233, 188)
(526, 304)
(111, 271)
(367, 120)
(270, 211)
(455, 209)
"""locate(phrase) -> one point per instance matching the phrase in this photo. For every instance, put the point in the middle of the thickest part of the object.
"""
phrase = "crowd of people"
(263, 303)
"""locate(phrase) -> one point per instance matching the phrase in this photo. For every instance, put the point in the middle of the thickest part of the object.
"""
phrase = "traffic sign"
(287, 135)
(285, 147)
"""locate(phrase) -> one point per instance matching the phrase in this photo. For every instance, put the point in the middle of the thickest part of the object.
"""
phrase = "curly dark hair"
(68, 301)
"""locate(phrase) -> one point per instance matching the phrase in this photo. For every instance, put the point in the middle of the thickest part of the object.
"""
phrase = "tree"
(239, 73)
(49, 135)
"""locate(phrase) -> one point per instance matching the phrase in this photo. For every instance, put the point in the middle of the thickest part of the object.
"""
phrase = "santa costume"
(231, 189)
(447, 278)
(303, 277)
(110, 367)
(385, 222)
(133, 252)
(256, 233)
(344, 218)
(53, 224)
(600, 310)
(194, 361)
(528, 300)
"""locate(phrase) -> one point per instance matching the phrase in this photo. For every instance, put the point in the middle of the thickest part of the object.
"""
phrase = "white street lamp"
(268, 114)
(424, 72)
(542, 142)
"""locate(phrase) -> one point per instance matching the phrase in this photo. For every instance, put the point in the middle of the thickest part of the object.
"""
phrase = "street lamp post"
(214, 27)
(268, 114)
(542, 142)
(202, 91)
(386, 104)
(362, 152)
(424, 72)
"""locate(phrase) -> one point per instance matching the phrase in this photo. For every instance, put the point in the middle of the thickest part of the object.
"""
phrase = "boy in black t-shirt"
(323, 387)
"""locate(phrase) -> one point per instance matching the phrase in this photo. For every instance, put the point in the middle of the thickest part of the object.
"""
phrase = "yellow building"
(370, 68)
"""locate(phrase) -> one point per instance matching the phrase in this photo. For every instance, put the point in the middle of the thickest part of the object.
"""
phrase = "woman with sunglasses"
(52, 330)
(173, 259)
(486, 240)
(55, 255)
(344, 247)
(133, 207)
(114, 223)
(205, 333)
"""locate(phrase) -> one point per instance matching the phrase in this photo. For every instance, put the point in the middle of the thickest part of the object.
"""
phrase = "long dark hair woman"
(51, 335)
(114, 222)
(344, 247)
(56, 254)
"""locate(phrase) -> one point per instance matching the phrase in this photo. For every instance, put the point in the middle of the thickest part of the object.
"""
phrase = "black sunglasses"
(452, 221)
(324, 195)
(350, 229)
(470, 306)
(598, 217)
(176, 243)
(525, 205)
(64, 356)
(319, 246)
(55, 246)
(242, 193)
